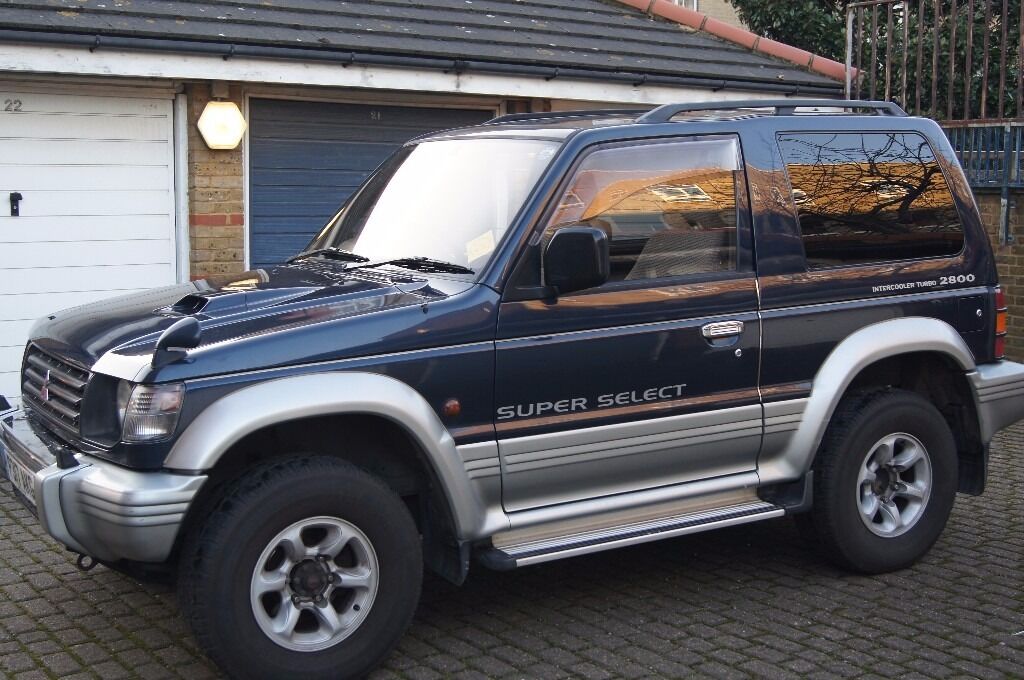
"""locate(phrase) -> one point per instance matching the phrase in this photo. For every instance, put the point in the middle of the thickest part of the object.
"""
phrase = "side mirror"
(172, 345)
(576, 259)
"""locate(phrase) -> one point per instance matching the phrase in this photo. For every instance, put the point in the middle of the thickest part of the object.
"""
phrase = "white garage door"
(96, 178)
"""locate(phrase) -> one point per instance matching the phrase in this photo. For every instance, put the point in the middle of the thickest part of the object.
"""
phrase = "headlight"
(149, 412)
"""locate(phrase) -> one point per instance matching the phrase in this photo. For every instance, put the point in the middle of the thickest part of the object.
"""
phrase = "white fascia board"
(123, 63)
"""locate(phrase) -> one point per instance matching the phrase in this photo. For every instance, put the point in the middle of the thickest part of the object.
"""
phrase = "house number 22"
(12, 105)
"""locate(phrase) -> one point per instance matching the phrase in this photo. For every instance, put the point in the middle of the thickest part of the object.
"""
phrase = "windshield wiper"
(426, 264)
(333, 253)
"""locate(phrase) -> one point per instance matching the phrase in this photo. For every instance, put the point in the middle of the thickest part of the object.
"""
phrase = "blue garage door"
(306, 158)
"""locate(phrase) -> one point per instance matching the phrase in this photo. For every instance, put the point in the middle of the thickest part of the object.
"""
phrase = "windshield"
(449, 200)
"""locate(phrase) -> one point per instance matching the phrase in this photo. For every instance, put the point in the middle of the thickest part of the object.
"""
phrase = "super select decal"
(573, 404)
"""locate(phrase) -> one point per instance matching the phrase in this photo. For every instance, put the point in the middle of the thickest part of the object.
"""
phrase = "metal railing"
(992, 155)
(946, 59)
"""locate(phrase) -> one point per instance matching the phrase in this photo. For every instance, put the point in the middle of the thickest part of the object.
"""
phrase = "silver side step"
(534, 552)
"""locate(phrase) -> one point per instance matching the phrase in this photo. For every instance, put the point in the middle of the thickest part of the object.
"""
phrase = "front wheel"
(884, 481)
(307, 568)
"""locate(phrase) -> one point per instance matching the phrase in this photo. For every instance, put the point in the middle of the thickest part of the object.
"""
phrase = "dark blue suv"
(541, 337)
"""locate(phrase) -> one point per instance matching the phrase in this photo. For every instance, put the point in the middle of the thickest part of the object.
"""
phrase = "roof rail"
(546, 115)
(783, 107)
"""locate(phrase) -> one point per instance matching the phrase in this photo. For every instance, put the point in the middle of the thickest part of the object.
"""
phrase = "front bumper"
(97, 508)
(998, 396)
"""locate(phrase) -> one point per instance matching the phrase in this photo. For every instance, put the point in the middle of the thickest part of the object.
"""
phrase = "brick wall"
(216, 206)
(721, 10)
(1010, 262)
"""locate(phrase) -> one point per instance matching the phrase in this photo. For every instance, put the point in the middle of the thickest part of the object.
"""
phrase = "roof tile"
(580, 34)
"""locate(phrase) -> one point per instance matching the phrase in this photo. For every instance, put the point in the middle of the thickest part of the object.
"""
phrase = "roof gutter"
(348, 58)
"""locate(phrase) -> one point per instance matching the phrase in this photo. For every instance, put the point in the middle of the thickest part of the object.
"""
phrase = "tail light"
(999, 346)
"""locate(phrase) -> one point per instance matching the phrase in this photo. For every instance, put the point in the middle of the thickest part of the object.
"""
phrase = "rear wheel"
(307, 567)
(884, 482)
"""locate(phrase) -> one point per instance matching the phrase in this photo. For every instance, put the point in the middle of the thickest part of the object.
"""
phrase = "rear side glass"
(869, 197)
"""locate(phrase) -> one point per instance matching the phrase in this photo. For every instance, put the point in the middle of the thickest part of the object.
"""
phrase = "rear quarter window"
(869, 197)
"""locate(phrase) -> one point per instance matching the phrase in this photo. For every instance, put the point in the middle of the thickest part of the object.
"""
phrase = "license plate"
(21, 477)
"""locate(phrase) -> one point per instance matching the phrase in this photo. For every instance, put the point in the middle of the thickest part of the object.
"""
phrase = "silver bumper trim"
(98, 508)
(998, 395)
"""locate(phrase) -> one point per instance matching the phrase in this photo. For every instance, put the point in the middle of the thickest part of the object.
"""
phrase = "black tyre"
(306, 568)
(885, 479)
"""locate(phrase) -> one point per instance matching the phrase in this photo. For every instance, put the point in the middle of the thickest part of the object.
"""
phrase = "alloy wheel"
(893, 485)
(314, 584)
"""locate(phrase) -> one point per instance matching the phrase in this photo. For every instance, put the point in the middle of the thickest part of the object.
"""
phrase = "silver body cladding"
(119, 514)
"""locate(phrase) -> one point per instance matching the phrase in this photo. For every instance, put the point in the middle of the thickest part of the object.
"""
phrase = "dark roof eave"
(228, 50)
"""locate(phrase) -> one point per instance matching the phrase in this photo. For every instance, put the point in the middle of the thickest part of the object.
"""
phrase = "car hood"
(233, 312)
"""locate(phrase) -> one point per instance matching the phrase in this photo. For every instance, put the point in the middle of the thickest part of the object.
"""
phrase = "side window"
(869, 197)
(669, 208)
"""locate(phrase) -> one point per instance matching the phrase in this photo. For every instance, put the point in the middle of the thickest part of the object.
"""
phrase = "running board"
(534, 552)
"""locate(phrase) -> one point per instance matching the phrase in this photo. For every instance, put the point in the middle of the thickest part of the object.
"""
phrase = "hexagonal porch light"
(221, 123)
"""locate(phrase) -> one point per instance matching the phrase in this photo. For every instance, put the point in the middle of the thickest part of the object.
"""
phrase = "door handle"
(15, 201)
(721, 329)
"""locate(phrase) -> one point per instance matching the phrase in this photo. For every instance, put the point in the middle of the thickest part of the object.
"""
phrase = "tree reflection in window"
(869, 197)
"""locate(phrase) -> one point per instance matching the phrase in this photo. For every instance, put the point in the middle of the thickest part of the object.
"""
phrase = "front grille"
(54, 388)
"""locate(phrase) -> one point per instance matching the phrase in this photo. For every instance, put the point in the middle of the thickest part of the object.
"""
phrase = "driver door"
(651, 378)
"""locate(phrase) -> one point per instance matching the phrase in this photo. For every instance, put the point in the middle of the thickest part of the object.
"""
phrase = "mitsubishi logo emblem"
(44, 389)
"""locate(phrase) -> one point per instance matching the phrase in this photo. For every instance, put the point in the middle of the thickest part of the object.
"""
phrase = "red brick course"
(217, 220)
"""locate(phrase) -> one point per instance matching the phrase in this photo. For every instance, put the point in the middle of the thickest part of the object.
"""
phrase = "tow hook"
(65, 459)
(85, 562)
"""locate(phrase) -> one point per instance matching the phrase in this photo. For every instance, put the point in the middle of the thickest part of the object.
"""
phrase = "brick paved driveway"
(747, 601)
